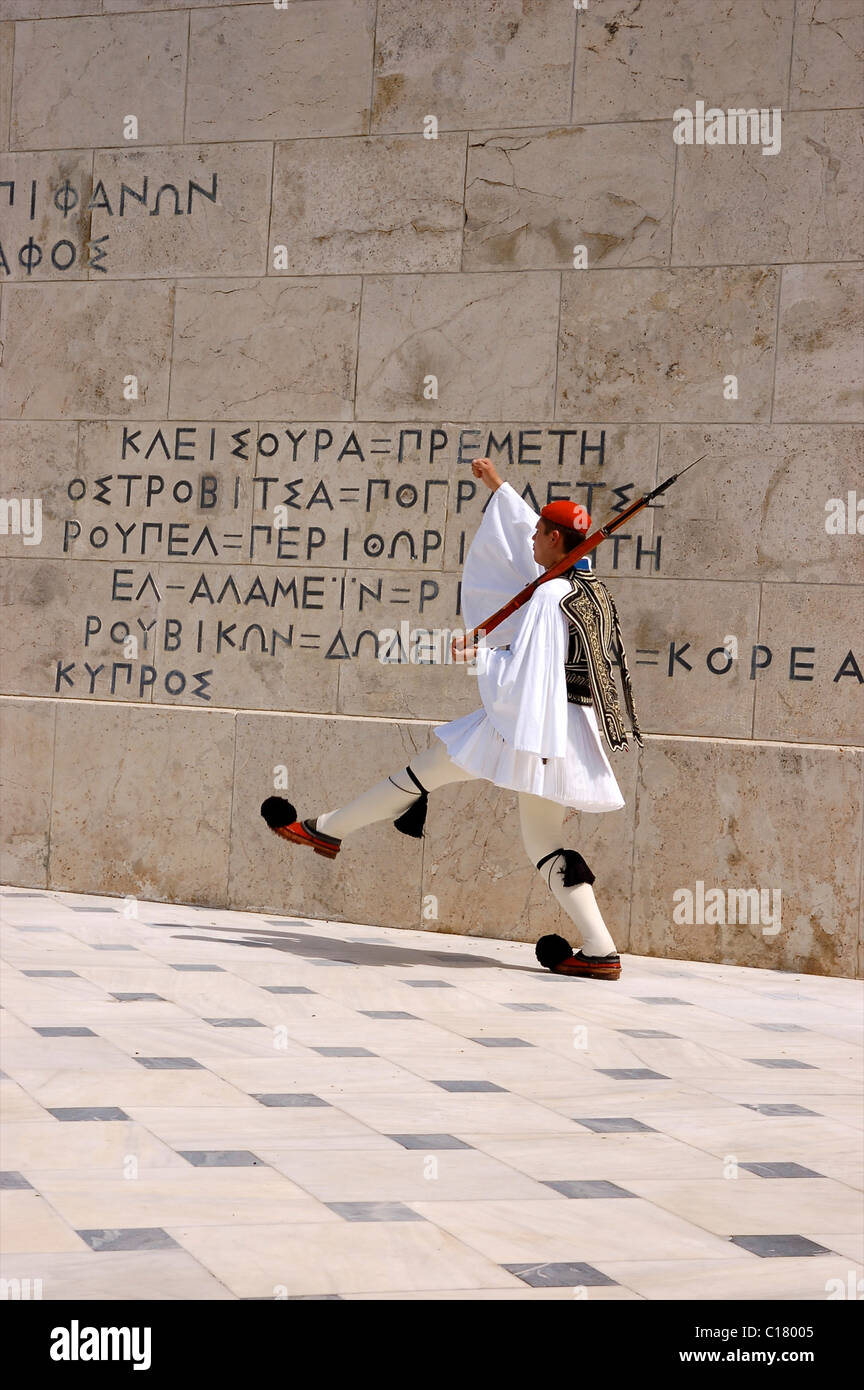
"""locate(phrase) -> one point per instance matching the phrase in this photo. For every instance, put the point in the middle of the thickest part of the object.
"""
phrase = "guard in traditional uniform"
(548, 690)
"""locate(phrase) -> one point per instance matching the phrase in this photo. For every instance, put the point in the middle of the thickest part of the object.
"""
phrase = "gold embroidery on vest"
(590, 610)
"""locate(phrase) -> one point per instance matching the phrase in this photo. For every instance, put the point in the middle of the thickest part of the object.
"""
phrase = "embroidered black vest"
(595, 640)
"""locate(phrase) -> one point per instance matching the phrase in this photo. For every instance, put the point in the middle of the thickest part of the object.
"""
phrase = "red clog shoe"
(281, 817)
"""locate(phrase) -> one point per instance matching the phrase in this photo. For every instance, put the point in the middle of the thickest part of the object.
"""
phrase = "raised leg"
(388, 799)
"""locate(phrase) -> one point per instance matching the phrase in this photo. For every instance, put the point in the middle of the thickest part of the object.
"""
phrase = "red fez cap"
(571, 514)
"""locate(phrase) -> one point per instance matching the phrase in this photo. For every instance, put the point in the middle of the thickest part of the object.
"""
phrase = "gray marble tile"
(559, 1276)
(783, 1027)
(660, 999)
(288, 989)
(387, 1013)
(374, 1211)
(614, 1124)
(139, 998)
(501, 1042)
(212, 969)
(427, 984)
(221, 1158)
(781, 1108)
(234, 1022)
(295, 1298)
(468, 1086)
(646, 1033)
(429, 1141)
(144, 1238)
(170, 1063)
(288, 1099)
(65, 1032)
(632, 1073)
(88, 1112)
(780, 1170)
(344, 1052)
(779, 1247)
(588, 1188)
(9, 1181)
(781, 1063)
(533, 1008)
(102, 947)
(51, 974)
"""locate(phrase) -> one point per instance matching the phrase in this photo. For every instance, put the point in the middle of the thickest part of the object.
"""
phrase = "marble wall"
(269, 278)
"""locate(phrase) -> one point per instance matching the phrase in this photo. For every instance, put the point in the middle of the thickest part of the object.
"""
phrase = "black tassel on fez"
(412, 821)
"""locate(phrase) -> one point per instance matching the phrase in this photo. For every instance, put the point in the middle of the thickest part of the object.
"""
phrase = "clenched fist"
(485, 469)
(464, 647)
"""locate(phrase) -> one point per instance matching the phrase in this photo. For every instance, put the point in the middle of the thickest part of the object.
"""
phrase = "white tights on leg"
(542, 823)
(433, 768)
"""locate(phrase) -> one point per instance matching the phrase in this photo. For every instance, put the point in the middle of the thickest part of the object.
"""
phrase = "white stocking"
(387, 800)
(542, 823)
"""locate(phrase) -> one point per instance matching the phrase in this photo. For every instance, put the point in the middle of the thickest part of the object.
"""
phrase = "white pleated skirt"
(583, 779)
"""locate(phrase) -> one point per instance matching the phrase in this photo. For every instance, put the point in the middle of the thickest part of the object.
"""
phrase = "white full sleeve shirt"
(523, 689)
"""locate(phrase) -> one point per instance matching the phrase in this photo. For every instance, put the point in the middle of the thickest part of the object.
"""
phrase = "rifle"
(583, 548)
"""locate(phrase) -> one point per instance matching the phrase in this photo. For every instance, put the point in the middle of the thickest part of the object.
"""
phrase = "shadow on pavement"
(314, 947)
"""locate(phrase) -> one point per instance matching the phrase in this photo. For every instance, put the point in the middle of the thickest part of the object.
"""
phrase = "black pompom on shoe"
(551, 950)
(278, 812)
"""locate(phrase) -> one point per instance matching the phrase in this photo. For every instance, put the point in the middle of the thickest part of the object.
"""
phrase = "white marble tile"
(179, 1196)
(340, 1257)
(266, 1231)
(730, 1206)
(406, 1175)
(30, 1225)
(758, 1279)
(125, 1275)
(592, 1230)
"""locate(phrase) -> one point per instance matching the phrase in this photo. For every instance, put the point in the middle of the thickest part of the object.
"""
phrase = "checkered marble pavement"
(203, 1104)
